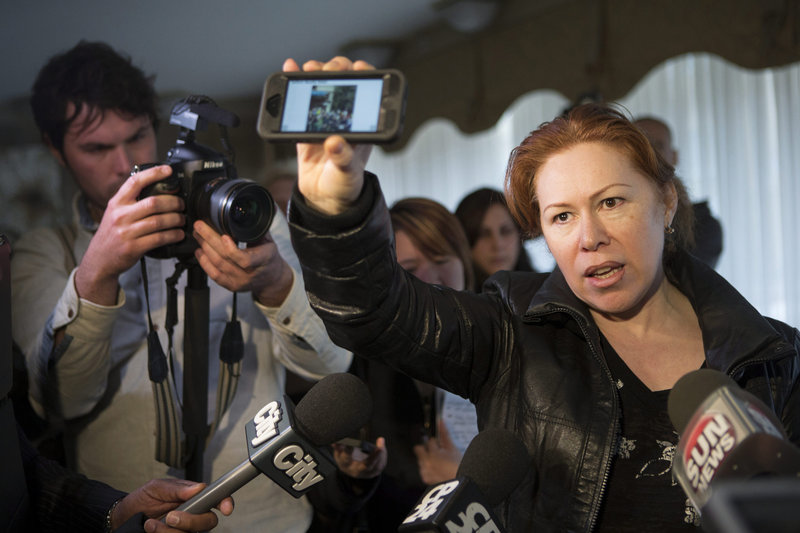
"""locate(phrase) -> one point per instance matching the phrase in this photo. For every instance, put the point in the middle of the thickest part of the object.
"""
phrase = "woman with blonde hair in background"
(424, 429)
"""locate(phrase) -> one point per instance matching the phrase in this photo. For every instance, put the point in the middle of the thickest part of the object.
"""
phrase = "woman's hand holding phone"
(331, 174)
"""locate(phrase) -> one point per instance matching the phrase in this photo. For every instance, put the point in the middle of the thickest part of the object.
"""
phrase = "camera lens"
(244, 211)
(241, 209)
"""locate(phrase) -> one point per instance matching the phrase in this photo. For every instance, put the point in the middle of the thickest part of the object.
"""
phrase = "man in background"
(38, 494)
(85, 308)
(707, 229)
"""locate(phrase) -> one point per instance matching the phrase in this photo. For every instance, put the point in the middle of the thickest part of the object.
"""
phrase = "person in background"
(425, 429)
(280, 184)
(495, 238)
(707, 228)
(83, 316)
(38, 494)
(578, 362)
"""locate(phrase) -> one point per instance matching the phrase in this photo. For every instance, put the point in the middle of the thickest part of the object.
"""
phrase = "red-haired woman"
(579, 362)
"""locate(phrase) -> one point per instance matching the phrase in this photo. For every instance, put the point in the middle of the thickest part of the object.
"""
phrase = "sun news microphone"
(727, 434)
(289, 445)
(493, 465)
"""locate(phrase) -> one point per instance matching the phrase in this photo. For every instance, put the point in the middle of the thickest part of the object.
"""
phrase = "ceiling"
(219, 48)
(225, 49)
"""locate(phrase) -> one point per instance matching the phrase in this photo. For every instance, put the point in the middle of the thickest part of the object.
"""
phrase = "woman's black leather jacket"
(525, 351)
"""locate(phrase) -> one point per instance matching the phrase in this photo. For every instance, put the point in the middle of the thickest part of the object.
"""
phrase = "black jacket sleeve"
(62, 500)
(373, 307)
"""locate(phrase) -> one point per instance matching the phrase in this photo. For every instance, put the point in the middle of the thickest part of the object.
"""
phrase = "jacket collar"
(734, 332)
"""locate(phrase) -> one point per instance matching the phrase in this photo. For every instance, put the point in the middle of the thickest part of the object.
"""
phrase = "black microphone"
(289, 444)
(494, 464)
(727, 434)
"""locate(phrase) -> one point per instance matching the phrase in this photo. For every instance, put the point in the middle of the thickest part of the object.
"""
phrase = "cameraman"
(81, 305)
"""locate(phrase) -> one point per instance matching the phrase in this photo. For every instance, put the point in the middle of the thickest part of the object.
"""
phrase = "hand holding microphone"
(494, 463)
(290, 445)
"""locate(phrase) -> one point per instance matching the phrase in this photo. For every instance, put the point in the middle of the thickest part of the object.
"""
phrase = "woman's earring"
(669, 230)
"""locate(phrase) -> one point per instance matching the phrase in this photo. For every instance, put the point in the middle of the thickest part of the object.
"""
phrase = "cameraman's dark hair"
(94, 75)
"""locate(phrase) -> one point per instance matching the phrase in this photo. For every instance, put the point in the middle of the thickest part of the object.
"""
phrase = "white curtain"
(738, 136)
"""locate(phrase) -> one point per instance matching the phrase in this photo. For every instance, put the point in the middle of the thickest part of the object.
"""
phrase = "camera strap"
(231, 353)
(169, 435)
(169, 439)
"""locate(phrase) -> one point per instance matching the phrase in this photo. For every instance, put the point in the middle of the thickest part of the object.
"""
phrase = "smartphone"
(363, 106)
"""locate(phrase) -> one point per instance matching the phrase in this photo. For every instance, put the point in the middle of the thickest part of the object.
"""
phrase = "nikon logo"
(213, 164)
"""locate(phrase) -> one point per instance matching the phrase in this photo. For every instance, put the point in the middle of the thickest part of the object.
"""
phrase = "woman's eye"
(611, 202)
(561, 217)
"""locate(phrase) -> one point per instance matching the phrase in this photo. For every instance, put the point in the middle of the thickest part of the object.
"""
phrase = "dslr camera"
(207, 181)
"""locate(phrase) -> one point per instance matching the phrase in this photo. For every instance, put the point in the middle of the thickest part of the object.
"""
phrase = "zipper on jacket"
(612, 435)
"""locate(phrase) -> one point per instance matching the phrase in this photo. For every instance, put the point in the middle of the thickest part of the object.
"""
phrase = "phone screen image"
(332, 106)
(362, 106)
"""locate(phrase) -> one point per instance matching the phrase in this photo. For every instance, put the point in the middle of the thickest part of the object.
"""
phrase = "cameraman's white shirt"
(102, 376)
